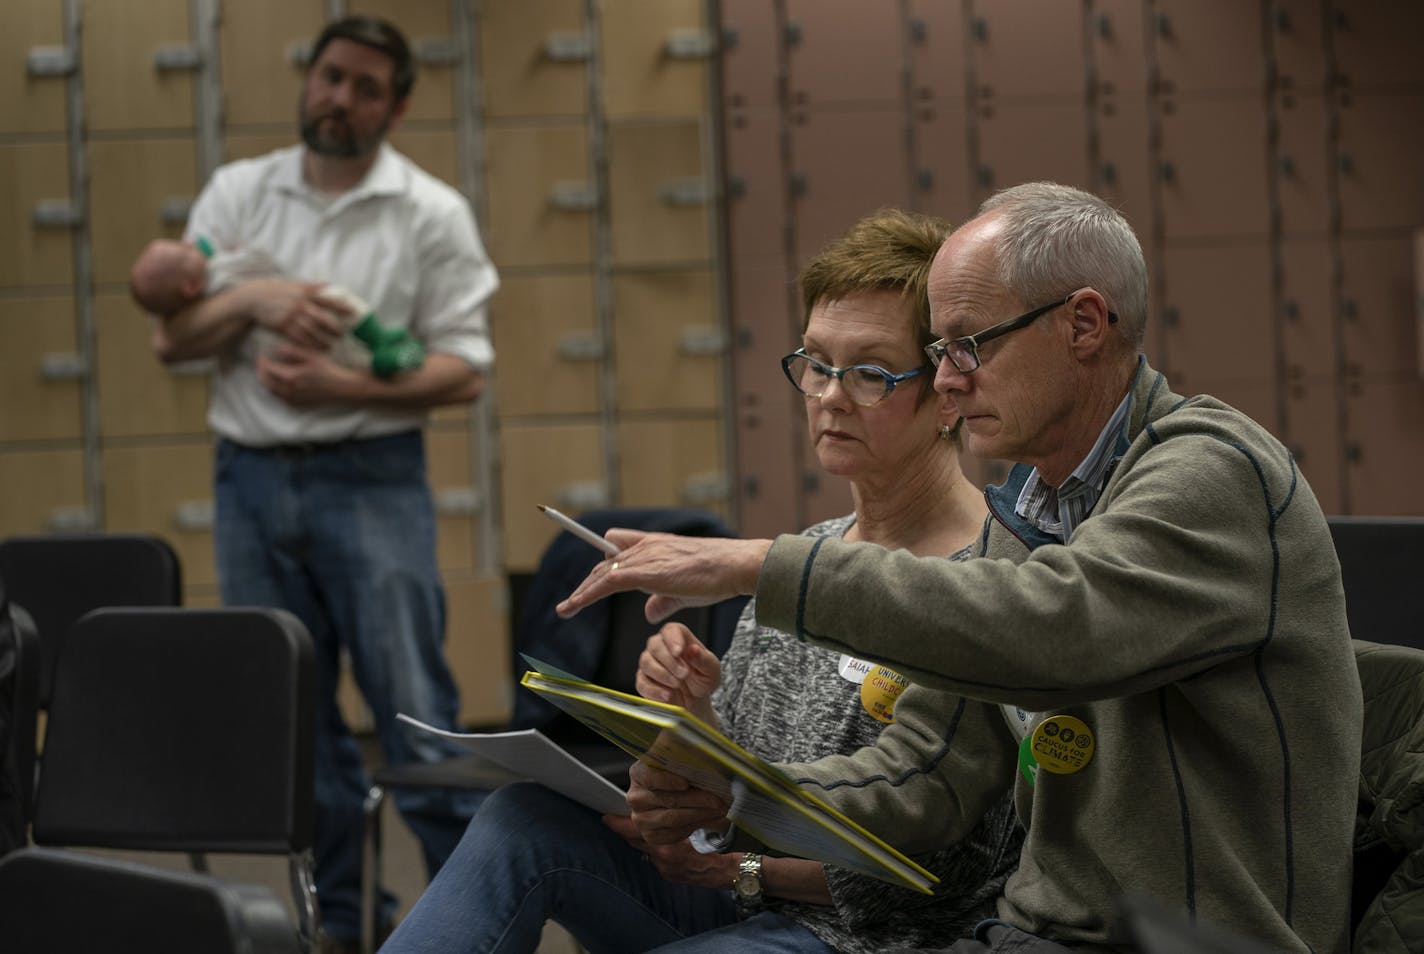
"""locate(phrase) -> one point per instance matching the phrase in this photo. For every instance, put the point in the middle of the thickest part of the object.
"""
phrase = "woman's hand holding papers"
(675, 667)
(679, 571)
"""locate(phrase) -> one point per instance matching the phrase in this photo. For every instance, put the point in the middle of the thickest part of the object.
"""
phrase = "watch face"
(748, 884)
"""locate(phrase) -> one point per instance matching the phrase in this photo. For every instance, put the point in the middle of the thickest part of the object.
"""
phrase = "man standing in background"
(322, 502)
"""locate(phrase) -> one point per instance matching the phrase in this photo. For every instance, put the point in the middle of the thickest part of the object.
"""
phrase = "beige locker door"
(642, 71)
(520, 78)
(138, 395)
(750, 62)
(1308, 332)
(531, 172)
(667, 344)
(1386, 419)
(30, 104)
(123, 87)
(1116, 40)
(1123, 175)
(1381, 139)
(936, 50)
(673, 462)
(756, 182)
(557, 464)
(249, 145)
(1312, 432)
(1028, 49)
(1208, 46)
(1213, 172)
(1298, 45)
(165, 489)
(433, 96)
(1223, 328)
(845, 51)
(1378, 298)
(1258, 400)
(1376, 44)
(260, 82)
(660, 196)
(130, 183)
(550, 354)
(33, 406)
(32, 254)
(1301, 175)
(39, 486)
(434, 150)
(478, 647)
(450, 471)
(1024, 141)
(942, 185)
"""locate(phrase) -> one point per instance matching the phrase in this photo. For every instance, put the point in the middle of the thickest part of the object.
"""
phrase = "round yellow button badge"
(879, 691)
(1062, 744)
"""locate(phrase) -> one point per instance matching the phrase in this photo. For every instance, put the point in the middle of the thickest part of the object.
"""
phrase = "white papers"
(528, 752)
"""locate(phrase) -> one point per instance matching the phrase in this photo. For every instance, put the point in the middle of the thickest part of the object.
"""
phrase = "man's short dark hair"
(380, 35)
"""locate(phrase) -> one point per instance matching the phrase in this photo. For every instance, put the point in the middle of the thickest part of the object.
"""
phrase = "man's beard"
(337, 139)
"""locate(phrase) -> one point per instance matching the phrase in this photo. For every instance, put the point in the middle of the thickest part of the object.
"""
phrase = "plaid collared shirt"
(1059, 510)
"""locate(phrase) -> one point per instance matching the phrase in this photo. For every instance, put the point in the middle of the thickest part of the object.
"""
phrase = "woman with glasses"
(531, 855)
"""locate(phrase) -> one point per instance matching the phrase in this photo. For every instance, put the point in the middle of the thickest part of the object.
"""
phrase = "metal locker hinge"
(57, 214)
(702, 341)
(180, 57)
(568, 47)
(174, 209)
(50, 61)
(193, 369)
(194, 515)
(71, 518)
(299, 52)
(581, 346)
(689, 191)
(457, 501)
(705, 489)
(63, 366)
(583, 496)
(689, 44)
(436, 51)
(573, 196)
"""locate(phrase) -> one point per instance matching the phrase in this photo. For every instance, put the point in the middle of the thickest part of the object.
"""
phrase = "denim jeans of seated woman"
(531, 855)
(344, 537)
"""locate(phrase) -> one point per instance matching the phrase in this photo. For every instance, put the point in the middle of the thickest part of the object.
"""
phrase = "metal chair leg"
(371, 867)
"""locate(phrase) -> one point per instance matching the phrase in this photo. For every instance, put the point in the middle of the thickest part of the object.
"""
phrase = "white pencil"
(579, 530)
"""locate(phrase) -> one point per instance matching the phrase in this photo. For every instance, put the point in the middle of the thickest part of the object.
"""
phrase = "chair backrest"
(60, 577)
(182, 730)
(63, 902)
(1381, 564)
(19, 707)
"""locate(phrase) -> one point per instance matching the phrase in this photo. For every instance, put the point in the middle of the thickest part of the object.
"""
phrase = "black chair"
(602, 644)
(187, 730)
(19, 709)
(1381, 564)
(62, 902)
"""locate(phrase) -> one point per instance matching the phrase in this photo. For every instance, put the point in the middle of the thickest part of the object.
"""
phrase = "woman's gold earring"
(945, 433)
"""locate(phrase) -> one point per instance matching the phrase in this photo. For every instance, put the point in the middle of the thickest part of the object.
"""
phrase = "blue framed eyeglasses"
(865, 384)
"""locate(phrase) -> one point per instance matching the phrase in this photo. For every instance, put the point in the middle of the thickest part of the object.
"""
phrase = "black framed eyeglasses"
(865, 384)
(963, 353)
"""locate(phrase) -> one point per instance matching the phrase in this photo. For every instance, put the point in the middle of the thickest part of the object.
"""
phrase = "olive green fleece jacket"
(1195, 622)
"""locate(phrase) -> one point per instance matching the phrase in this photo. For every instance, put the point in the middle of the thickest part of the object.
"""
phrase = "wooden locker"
(1029, 49)
(845, 52)
(44, 490)
(33, 174)
(124, 86)
(261, 83)
(252, 145)
(1025, 141)
(1307, 310)
(768, 411)
(673, 462)
(937, 51)
(1117, 47)
(165, 489)
(558, 464)
(1377, 307)
(31, 104)
(655, 58)
(1221, 328)
(941, 160)
(132, 183)
(138, 395)
(479, 649)
(1381, 138)
(433, 149)
(1208, 46)
(1123, 174)
(1257, 399)
(549, 352)
(426, 27)
(1300, 163)
(1383, 444)
(1376, 43)
(1312, 432)
(845, 165)
(1297, 32)
(823, 496)
(755, 182)
(540, 195)
(660, 193)
(1212, 168)
(450, 468)
(751, 54)
(668, 346)
(40, 334)
(525, 54)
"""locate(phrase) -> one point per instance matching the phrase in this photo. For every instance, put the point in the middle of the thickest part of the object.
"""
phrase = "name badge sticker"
(852, 669)
(879, 691)
(1062, 744)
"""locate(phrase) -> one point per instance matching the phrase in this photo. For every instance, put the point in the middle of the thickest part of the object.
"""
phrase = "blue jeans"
(531, 855)
(343, 536)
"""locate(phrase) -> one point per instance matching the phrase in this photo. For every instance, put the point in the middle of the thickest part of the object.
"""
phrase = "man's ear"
(398, 112)
(1090, 323)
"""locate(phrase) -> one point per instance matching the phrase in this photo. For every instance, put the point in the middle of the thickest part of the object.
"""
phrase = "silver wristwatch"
(747, 886)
